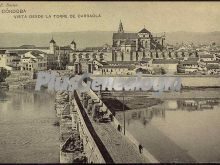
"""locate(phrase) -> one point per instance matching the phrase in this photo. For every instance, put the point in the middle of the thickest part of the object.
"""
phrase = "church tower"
(52, 46)
(120, 28)
(73, 45)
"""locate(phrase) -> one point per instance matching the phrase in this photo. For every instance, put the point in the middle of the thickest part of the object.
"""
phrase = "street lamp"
(123, 107)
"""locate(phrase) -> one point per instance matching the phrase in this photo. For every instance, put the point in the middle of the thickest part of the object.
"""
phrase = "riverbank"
(183, 93)
(177, 130)
(187, 81)
(4, 85)
(24, 79)
(130, 102)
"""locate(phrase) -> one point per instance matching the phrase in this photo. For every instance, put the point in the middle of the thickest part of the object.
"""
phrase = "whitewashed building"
(34, 61)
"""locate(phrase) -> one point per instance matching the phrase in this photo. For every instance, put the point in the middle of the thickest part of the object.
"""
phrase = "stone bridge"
(102, 133)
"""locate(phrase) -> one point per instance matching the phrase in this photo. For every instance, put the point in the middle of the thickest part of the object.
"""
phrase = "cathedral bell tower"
(120, 28)
(52, 46)
(73, 45)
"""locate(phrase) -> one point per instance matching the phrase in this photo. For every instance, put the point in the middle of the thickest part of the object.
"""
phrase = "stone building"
(126, 46)
(9, 60)
(58, 56)
(34, 60)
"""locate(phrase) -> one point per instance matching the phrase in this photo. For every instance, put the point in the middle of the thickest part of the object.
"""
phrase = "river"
(27, 132)
(179, 129)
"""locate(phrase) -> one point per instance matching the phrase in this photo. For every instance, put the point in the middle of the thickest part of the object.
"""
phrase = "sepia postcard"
(109, 82)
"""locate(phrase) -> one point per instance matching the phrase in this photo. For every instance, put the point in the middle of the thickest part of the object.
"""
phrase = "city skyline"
(109, 82)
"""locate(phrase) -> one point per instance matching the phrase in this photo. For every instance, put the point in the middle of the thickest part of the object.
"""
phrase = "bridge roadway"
(118, 146)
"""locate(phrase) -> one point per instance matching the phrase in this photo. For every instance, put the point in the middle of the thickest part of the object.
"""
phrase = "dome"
(52, 41)
(73, 42)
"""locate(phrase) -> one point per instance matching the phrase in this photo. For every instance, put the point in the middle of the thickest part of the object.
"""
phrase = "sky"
(154, 16)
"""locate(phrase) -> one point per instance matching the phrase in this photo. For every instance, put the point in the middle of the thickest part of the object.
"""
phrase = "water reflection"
(27, 133)
(199, 105)
(178, 129)
(3, 95)
(147, 114)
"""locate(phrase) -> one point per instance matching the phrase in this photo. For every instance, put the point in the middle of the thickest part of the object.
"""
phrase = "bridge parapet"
(115, 123)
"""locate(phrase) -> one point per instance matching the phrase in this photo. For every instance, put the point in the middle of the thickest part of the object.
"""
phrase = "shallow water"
(178, 130)
(27, 132)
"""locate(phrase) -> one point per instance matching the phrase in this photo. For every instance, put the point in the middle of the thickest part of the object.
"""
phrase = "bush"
(143, 71)
(3, 74)
(163, 71)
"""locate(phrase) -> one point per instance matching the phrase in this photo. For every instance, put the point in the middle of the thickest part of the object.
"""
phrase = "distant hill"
(96, 38)
(193, 37)
(82, 39)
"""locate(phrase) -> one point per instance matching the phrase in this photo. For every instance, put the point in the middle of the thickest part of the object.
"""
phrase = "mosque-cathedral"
(128, 46)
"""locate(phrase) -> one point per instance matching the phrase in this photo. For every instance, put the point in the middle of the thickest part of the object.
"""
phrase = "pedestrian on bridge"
(140, 148)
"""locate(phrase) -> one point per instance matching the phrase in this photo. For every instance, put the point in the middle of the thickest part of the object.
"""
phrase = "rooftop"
(93, 48)
(206, 56)
(27, 46)
(18, 51)
(212, 67)
(125, 36)
(189, 62)
(73, 42)
(193, 58)
(12, 54)
(118, 66)
(129, 42)
(146, 59)
(144, 31)
(122, 62)
(216, 61)
(16, 60)
(165, 61)
(52, 41)
(2, 51)
(37, 53)
(64, 48)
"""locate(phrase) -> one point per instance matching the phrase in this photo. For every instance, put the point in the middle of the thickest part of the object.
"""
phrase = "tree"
(3, 74)
(144, 71)
(183, 54)
(197, 54)
(180, 69)
(163, 71)
(213, 43)
(34, 75)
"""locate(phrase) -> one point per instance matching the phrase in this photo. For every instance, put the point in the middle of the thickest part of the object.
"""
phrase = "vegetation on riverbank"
(116, 104)
(3, 74)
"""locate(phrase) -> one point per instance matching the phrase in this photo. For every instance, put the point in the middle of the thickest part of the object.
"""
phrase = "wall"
(187, 80)
(19, 76)
(90, 147)
(201, 81)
